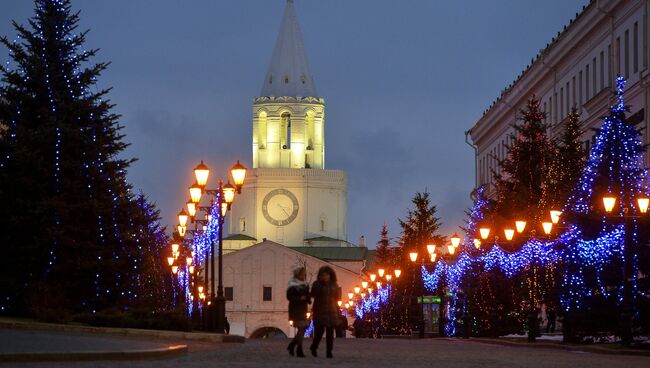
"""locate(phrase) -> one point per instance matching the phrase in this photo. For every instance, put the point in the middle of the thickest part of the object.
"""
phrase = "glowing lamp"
(170, 260)
(188, 260)
(485, 232)
(182, 218)
(388, 277)
(398, 273)
(228, 192)
(191, 208)
(364, 284)
(455, 240)
(451, 249)
(381, 272)
(363, 295)
(555, 216)
(308, 315)
(201, 173)
(224, 209)
(643, 204)
(191, 269)
(176, 254)
(547, 226)
(340, 303)
(201, 289)
(378, 283)
(373, 277)
(181, 230)
(609, 203)
(195, 193)
(174, 247)
(431, 248)
(413, 256)
(350, 295)
(370, 290)
(433, 257)
(174, 269)
(509, 233)
(238, 172)
(520, 226)
(290, 323)
(357, 289)
(477, 243)
(205, 227)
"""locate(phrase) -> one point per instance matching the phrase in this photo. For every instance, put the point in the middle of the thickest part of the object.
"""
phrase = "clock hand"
(283, 209)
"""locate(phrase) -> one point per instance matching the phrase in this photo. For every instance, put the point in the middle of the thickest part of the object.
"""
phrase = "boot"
(329, 354)
(292, 344)
(299, 352)
(313, 352)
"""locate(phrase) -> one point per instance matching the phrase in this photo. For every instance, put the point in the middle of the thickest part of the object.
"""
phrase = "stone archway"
(268, 333)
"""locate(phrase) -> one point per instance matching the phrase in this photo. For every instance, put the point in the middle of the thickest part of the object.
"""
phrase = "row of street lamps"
(213, 302)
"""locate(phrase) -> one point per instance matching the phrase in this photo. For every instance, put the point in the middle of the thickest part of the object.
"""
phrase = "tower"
(289, 197)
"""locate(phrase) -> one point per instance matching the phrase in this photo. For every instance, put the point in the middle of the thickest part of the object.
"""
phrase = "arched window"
(286, 79)
(323, 222)
(285, 131)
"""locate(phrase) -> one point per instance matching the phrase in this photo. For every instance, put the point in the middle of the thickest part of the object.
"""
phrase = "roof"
(289, 73)
(335, 253)
(239, 237)
(323, 238)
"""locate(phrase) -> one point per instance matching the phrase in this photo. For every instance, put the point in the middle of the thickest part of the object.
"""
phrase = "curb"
(541, 345)
(162, 353)
(196, 336)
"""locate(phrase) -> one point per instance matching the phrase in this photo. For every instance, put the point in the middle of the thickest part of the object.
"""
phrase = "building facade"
(289, 196)
(577, 69)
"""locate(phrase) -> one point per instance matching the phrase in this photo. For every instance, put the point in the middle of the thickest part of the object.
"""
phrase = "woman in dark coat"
(298, 295)
(326, 294)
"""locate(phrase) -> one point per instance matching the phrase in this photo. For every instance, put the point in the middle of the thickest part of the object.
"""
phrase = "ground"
(356, 353)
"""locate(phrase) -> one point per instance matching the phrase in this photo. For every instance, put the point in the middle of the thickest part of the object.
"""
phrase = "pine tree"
(566, 166)
(67, 214)
(383, 253)
(519, 184)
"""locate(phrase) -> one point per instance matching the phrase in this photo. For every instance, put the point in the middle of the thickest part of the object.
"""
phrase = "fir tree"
(383, 254)
(566, 166)
(519, 184)
(68, 214)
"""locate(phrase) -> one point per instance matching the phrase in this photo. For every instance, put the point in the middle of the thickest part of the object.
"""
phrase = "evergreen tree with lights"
(566, 166)
(519, 183)
(604, 275)
(383, 253)
(78, 239)
(419, 228)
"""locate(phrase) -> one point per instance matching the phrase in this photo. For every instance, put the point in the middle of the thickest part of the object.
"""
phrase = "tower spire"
(289, 73)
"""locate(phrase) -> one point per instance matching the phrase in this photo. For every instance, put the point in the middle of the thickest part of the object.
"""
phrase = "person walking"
(299, 299)
(326, 293)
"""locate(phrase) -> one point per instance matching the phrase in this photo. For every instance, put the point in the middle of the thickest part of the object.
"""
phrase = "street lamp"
(238, 172)
(455, 240)
(609, 203)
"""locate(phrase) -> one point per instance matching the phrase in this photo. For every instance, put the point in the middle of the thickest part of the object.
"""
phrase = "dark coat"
(299, 299)
(326, 309)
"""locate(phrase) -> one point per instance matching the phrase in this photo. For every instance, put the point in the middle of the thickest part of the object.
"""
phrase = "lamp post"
(609, 203)
(215, 302)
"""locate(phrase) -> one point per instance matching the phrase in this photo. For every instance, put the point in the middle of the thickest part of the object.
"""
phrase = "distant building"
(292, 211)
(577, 69)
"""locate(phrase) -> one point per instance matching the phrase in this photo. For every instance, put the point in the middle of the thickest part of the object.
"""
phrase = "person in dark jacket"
(299, 299)
(326, 294)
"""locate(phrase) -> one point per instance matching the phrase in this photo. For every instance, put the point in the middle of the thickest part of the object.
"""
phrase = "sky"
(402, 81)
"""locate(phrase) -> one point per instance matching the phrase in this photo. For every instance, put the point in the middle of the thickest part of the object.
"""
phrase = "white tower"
(288, 196)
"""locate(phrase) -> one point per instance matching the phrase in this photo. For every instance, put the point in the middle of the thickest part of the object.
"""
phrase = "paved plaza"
(347, 353)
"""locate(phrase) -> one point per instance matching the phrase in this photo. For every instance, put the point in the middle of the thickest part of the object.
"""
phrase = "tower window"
(242, 224)
(303, 79)
(228, 293)
(286, 79)
(270, 79)
(285, 131)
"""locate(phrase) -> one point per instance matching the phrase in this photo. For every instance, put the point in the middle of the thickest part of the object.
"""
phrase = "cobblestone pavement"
(372, 353)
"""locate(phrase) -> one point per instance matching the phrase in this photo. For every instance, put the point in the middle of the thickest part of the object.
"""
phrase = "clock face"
(280, 207)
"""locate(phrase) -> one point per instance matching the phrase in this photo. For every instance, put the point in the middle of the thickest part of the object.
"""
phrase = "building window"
(561, 102)
(568, 105)
(593, 64)
(618, 55)
(267, 293)
(580, 88)
(550, 108)
(242, 225)
(635, 41)
(627, 53)
(586, 82)
(573, 94)
(228, 293)
(602, 70)
(286, 79)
